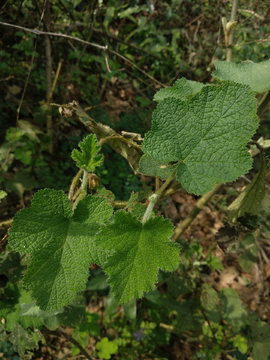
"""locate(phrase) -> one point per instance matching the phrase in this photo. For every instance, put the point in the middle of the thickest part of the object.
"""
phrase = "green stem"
(152, 201)
(231, 36)
(83, 190)
(163, 187)
(263, 103)
(154, 198)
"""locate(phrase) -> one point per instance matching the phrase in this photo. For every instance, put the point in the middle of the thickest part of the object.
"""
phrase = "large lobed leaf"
(140, 250)
(255, 75)
(206, 134)
(62, 244)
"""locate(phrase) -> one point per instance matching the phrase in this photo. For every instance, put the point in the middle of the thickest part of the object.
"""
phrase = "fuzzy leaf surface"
(181, 89)
(250, 199)
(255, 75)
(140, 250)
(62, 244)
(88, 159)
(206, 135)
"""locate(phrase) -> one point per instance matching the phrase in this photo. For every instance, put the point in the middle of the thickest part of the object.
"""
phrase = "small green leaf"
(23, 156)
(10, 308)
(106, 348)
(88, 158)
(249, 257)
(130, 309)
(255, 75)
(152, 167)
(182, 89)
(24, 339)
(9, 260)
(189, 317)
(211, 303)
(233, 312)
(250, 199)
(104, 193)
(62, 244)
(206, 135)
(214, 263)
(2, 194)
(140, 250)
(241, 343)
(261, 338)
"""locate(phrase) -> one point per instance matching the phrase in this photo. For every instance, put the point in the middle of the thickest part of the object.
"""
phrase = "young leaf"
(128, 149)
(140, 250)
(182, 89)
(88, 158)
(206, 134)
(255, 75)
(250, 199)
(241, 343)
(106, 348)
(62, 244)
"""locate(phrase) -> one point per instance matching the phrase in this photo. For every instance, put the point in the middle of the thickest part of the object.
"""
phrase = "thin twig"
(75, 342)
(195, 211)
(252, 13)
(104, 48)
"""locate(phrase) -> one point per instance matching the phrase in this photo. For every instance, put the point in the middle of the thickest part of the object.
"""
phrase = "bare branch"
(104, 48)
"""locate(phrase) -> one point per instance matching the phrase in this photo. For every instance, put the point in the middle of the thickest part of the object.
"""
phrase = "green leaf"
(189, 317)
(9, 260)
(211, 303)
(261, 338)
(88, 158)
(98, 283)
(106, 348)
(140, 250)
(130, 309)
(182, 89)
(241, 343)
(250, 199)
(233, 312)
(23, 155)
(214, 263)
(24, 340)
(255, 75)
(62, 244)
(151, 167)
(206, 135)
(128, 149)
(249, 256)
(10, 308)
(2, 194)
(104, 193)
(111, 305)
